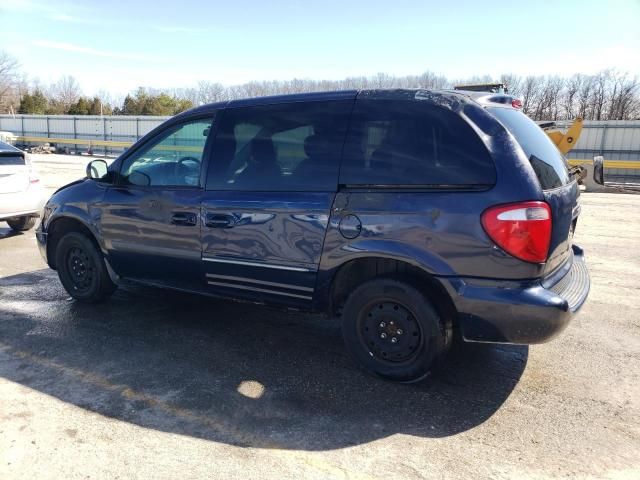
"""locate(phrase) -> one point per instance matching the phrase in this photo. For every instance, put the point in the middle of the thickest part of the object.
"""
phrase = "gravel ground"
(156, 384)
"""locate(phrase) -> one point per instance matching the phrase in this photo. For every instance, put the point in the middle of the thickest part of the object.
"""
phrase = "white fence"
(103, 133)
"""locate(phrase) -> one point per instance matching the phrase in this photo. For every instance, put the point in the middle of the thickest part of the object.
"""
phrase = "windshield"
(547, 161)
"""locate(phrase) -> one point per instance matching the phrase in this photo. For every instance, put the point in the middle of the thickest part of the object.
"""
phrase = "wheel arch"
(354, 272)
(62, 225)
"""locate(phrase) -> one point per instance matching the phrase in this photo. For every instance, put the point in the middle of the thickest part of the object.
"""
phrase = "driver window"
(173, 159)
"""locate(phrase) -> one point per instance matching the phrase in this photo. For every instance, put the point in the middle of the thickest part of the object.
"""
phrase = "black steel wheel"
(392, 330)
(81, 269)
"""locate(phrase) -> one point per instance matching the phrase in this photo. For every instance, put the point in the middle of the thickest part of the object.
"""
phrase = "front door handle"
(219, 221)
(184, 218)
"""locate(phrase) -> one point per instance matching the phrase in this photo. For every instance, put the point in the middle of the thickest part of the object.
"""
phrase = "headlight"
(44, 214)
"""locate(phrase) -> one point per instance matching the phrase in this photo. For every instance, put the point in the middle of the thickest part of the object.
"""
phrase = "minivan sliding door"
(269, 190)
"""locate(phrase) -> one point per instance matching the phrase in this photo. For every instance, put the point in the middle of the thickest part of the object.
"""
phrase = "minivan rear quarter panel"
(438, 228)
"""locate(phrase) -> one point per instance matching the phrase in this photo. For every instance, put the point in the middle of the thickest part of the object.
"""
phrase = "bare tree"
(66, 92)
(570, 95)
(599, 96)
(585, 92)
(106, 99)
(382, 80)
(431, 80)
(530, 93)
(475, 79)
(622, 98)
(11, 82)
(513, 83)
(210, 92)
(547, 107)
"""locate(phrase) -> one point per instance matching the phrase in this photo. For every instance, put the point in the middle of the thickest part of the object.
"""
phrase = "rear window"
(546, 160)
(408, 143)
(11, 160)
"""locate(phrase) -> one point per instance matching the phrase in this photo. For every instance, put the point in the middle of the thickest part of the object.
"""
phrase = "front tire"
(82, 270)
(393, 331)
(22, 224)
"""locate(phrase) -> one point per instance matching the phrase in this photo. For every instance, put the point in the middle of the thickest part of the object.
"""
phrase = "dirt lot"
(167, 385)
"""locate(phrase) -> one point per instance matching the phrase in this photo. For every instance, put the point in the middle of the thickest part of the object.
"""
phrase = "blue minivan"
(410, 214)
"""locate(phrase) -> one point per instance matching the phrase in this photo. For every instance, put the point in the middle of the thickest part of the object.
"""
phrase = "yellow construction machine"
(564, 141)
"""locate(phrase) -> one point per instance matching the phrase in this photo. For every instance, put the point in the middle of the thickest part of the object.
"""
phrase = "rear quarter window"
(547, 161)
(409, 143)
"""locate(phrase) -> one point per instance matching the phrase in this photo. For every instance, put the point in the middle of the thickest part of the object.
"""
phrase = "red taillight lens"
(516, 103)
(33, 178)
(520, 229)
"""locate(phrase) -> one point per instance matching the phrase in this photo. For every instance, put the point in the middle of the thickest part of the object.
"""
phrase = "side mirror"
(598, 169)
(97, 169)
(140, 179)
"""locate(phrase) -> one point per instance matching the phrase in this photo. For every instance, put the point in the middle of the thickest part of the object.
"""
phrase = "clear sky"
(117, 45)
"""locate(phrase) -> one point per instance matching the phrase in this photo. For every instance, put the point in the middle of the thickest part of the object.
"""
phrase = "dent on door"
(153, 234)
(265, 243)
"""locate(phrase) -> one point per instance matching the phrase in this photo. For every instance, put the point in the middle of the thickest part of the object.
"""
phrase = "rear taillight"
(520, 229)
(33, 177)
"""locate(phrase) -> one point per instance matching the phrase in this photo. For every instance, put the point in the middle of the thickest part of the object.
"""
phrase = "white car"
(21, 195)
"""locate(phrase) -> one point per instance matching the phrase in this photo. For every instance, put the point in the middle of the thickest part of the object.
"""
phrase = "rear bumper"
(525, 313)
(20, 204)
(19, 213)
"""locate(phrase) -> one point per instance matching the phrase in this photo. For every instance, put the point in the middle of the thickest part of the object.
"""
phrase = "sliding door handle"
(219, 221)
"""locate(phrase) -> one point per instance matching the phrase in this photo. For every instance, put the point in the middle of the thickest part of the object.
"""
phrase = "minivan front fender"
(59, 223)
(74, 208)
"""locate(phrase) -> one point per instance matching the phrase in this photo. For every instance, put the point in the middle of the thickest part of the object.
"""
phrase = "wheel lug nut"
(382, 324)
(399, 332)
(394, 340)
(383, 335)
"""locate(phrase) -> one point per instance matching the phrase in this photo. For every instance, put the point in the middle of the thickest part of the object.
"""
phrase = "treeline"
(607, 95)
(39, 104)
(141, 103)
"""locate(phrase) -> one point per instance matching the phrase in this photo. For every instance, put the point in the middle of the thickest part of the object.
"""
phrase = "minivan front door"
(150, 219)
(270, 187)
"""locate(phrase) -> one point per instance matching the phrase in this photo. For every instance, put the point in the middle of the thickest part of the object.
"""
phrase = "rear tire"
(82, 270)
(393, 331)
(22, 224)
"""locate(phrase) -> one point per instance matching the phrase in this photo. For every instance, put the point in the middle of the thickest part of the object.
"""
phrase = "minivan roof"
(398, 93)
(273, 99)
